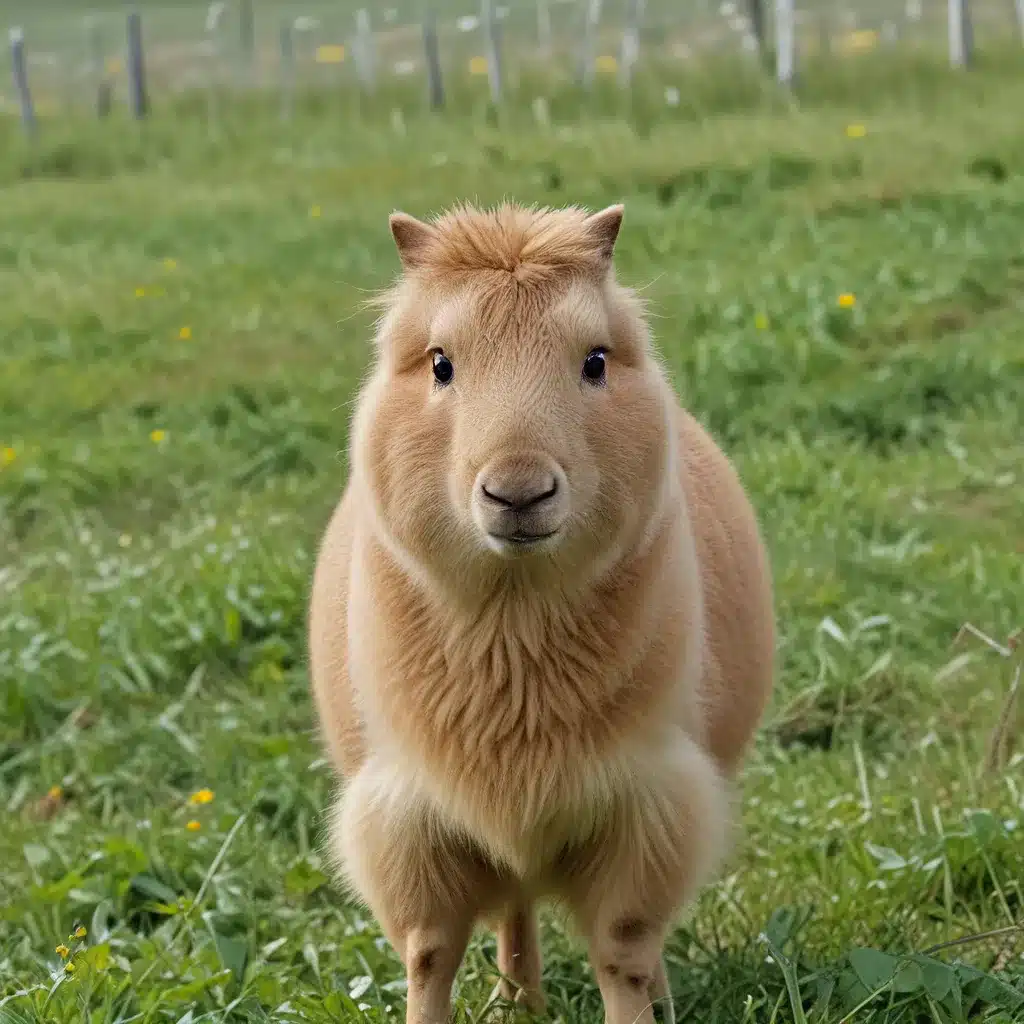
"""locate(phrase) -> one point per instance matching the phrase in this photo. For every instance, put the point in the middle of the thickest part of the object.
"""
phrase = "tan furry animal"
(541, 622)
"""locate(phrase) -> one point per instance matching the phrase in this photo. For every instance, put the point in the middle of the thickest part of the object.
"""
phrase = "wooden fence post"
(19, 67)
(432, 55)
(287, 44)
(214, 22)
(137, 97)
(492, 48)
(364, 55)
(591, 23)
(961, 34)
(246, 31)
(97, 62)
(785, 41)
(544, 27)
(629, 52)
(756, 9)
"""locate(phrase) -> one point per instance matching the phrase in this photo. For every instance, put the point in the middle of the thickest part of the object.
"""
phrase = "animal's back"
(738, 616)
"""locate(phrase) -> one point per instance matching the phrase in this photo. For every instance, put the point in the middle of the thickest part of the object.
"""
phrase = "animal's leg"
(424, 881)
(519, 957)
(661, 994)
(432, 957)
(665, 835)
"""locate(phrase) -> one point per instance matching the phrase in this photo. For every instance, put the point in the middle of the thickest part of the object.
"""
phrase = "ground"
(836, 288)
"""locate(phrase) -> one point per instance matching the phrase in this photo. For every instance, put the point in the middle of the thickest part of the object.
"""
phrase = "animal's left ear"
(603, 227)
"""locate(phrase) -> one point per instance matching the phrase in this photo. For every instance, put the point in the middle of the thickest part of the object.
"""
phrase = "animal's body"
(541, 621)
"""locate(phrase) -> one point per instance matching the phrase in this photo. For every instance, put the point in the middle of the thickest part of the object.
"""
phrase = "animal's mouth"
(520, 541)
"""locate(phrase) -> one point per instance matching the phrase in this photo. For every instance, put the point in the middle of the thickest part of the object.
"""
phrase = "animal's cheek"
(627, 436)
(409, 453)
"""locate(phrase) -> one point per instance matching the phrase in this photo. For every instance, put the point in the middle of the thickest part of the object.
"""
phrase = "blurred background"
(824, 207)
(77, 51)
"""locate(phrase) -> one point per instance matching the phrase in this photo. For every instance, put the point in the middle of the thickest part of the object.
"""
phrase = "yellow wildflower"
(62, 951)
(332, 53)
(9, 455)
(193, 825)
(606, 63)
(170, 264)
(314, 211)
(478, 66)
(156, 436)
(761, 322)
(856, 131)
(201, 796)
(55, 792)
(185, 333)
(69, 967)
(80, 932)
(139, 292)
(847, 300)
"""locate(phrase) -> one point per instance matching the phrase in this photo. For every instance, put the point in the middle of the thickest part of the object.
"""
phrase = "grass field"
(838, 290)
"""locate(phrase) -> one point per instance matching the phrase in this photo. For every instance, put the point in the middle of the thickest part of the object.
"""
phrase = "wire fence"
(63, 62)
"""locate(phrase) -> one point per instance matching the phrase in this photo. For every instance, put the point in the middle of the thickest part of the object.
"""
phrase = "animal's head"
(517, 420)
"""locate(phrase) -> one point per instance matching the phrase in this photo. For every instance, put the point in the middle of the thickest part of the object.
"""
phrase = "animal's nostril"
(521, 497)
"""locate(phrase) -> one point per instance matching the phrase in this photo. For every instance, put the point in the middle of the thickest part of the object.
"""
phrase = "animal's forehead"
(576, 309)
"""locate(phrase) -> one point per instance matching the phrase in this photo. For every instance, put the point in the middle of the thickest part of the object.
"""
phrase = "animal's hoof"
(534, 1001)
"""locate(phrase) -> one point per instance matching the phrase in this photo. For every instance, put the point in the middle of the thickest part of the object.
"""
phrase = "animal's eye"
(443, 369)
(593, 367)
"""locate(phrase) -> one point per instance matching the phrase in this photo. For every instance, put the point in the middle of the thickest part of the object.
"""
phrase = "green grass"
(161, 497)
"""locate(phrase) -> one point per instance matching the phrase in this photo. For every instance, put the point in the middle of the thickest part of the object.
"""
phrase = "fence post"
(214, 20)
(492, 48)
(246, 31)
(20, 69)
(287, 44)
(136, 68)
(97, 70)
(364, 55)
(785, 42)
(592, 20)
(756, 9)
(629, 52)
(544, 27)
(432, 55)
(961, 35)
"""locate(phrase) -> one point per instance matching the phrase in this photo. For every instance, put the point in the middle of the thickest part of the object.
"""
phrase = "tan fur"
(557, 721)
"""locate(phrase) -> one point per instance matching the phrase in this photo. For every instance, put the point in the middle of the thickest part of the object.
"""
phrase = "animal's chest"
(513, 714)
(506, 732)
(500, 711)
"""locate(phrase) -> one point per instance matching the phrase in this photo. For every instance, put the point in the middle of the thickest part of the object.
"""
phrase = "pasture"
(837, 287)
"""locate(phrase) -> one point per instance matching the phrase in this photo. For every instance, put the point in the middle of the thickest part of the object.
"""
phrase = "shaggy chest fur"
(515, 716)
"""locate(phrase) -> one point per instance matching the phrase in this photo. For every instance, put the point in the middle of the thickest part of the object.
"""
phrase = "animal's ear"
(412, 237)
(603, 227)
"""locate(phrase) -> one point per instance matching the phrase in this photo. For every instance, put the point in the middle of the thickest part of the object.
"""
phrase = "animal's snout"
(520, 501)
(519, 490)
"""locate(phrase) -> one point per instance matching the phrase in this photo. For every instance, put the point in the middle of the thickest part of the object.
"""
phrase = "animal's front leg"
(425, 883)
(664, 836)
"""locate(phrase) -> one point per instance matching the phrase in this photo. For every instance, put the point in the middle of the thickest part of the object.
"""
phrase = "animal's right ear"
(412, 237)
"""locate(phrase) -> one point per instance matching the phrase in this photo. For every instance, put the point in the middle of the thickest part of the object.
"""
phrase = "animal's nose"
(518, 487)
